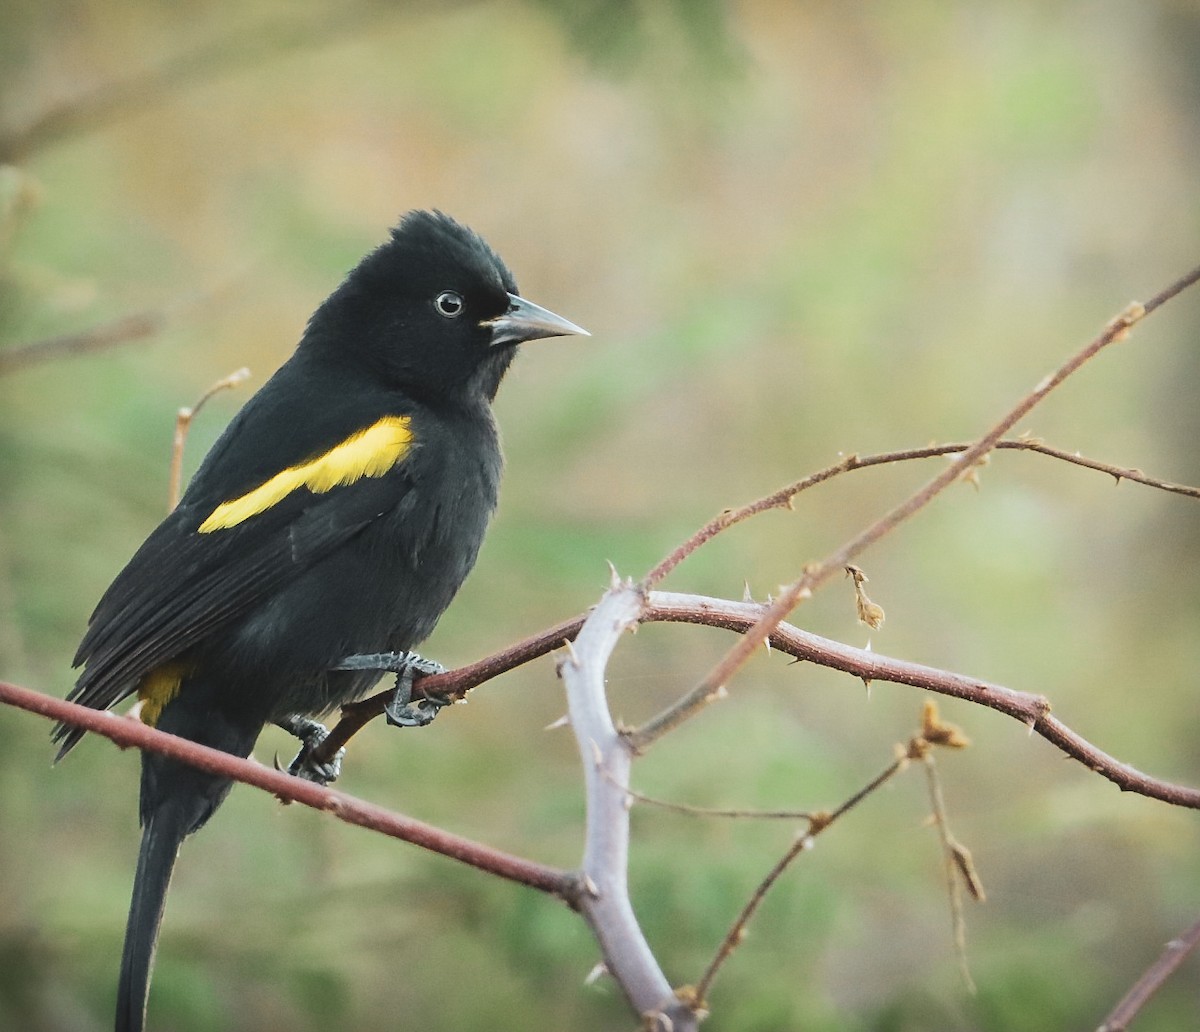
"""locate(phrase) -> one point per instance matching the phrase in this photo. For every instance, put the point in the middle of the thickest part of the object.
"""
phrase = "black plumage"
(337, 515)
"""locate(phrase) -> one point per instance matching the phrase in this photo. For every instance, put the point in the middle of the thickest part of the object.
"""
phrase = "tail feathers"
(162, 834)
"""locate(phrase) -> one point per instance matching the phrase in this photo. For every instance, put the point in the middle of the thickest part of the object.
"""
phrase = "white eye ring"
(449, 304)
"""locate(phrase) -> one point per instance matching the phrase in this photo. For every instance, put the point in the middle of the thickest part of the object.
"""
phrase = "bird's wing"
(219, 554)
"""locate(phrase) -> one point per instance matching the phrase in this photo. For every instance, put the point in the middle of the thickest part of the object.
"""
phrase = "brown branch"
(672, 607)
(129, 732)
(183, 423)
(1031, 710)
(817, 574)
(785, 496)
(1118, 473)
(119, 331)
(453, 684)
(1175, 953)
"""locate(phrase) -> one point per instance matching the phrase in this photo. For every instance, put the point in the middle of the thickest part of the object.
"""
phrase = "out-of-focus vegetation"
(794, 230)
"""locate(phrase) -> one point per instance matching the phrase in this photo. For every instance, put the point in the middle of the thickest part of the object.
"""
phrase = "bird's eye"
(449, 304)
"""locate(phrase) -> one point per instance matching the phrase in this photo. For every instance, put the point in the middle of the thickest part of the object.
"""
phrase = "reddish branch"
(1031, 710)
(128, 732)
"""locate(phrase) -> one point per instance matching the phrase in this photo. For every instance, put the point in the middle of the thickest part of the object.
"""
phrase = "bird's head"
(434, 311)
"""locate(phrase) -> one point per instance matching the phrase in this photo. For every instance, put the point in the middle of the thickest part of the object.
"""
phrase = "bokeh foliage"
(794, 230)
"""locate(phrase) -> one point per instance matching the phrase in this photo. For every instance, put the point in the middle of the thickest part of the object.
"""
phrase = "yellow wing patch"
(369, 453)
(158, 688)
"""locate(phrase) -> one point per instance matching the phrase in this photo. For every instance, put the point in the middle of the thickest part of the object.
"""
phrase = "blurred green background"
(794, 230)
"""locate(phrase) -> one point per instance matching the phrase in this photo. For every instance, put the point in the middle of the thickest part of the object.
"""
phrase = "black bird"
(320, 540)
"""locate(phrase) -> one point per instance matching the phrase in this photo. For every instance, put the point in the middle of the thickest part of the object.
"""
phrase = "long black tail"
(176, 799)
(162, 834)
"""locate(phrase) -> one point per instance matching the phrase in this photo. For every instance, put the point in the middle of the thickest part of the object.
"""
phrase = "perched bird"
(320, 540)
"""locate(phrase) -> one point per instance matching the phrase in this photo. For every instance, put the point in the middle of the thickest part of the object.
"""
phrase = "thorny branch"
(785, 497)
(1031, 710)
(962, 464)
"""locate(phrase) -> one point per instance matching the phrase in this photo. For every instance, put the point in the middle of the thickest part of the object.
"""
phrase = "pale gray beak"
(526, 321)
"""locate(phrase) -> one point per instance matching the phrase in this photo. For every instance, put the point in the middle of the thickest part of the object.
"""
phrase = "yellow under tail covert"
(158, 688)
(369, 453)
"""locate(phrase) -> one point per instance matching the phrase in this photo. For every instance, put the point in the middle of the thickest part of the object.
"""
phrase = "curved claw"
(406, 713)
(401, 711)
(311, 734)
(320, 773)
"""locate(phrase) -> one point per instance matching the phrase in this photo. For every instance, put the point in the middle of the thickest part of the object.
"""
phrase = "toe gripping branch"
(402, 711)
(311, 734)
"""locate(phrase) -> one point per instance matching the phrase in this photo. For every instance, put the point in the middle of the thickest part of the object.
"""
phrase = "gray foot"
(401, 711)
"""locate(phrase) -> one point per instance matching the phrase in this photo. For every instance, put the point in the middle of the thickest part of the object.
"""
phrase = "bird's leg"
(407, 666)
(311, 734)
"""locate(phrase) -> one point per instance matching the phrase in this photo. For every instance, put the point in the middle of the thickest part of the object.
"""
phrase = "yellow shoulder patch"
(369, 453)
(158, 688)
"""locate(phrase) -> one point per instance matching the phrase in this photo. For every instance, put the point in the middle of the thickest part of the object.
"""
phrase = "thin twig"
(785, 496)
(1118, 473)
(1175, 953)
(707, 811)
(803, 841)
(126, 732)
(817, 574)
(710, 811)
(183, 423)
(958, 865)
